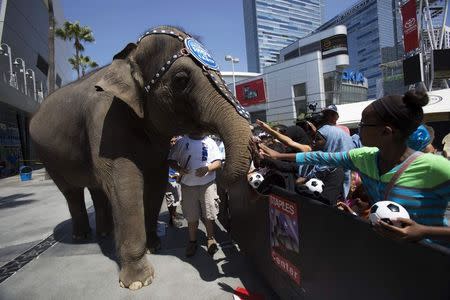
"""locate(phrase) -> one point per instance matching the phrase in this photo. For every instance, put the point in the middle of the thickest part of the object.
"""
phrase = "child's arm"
(338, 159)
(202, 171)
(283, 138)
(412, 231)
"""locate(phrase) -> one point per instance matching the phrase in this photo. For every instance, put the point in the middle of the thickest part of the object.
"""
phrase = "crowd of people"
(380, 162)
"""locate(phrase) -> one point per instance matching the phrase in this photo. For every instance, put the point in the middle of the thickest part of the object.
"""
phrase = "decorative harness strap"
(200, 56)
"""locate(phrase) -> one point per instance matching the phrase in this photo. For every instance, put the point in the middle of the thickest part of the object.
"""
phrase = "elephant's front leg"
(128, 212)
(155, 187)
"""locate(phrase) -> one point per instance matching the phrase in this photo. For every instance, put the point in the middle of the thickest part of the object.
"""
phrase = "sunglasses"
(362, 124)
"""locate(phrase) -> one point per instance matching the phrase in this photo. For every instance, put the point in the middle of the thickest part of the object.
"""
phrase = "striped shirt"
(423, 188)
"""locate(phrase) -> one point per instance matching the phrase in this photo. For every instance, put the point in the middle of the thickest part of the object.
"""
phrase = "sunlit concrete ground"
(33, 211)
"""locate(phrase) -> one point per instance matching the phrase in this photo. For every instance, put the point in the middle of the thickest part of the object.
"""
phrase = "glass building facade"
(374, 37)
(24, 39)
(271, 25)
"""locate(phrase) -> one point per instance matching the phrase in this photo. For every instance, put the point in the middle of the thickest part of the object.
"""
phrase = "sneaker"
(212, 246)
(175, 223)
(191, 248)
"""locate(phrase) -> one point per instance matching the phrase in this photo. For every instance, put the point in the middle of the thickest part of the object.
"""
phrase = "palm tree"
(83, 63)
(79, 34)
(86, 62)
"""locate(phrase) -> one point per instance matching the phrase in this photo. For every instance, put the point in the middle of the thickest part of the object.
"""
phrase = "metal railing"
(24, 79)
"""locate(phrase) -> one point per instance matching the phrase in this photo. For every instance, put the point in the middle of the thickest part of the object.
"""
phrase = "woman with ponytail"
(423, 186)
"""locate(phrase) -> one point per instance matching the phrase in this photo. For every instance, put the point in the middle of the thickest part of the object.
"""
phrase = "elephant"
(109, 132)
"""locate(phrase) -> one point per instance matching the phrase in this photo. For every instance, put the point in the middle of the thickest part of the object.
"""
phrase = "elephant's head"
(173, 85)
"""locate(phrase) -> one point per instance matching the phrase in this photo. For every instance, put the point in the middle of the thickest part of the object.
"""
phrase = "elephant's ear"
(123, 79)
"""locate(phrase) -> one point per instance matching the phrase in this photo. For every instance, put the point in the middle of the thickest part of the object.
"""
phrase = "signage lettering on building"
(352, 10)
(354, 77)
(334, 45)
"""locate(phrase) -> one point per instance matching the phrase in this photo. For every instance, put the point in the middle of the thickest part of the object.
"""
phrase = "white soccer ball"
(388, 212)
(315, 186)
(255, 180)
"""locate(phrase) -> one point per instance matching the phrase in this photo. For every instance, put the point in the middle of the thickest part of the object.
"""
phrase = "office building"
(312, 73)
(270, 25)
(374, 36)
(23, 74)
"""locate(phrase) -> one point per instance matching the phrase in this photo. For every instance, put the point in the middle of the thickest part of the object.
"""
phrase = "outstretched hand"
(411, 230)
(264, 126)
(266, 152)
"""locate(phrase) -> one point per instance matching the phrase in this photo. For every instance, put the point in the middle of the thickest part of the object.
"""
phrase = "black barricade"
(307, 250)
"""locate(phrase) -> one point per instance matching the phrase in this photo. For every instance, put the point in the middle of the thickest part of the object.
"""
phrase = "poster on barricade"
(284, 235)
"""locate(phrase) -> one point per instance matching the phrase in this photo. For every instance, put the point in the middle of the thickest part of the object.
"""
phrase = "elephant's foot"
(136, 275)
(103, 235)
(81, 237)
(103, 224)
(81, 233)
(103, 230)
(153, 242)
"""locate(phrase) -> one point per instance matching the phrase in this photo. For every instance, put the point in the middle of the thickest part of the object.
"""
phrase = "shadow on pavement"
(228, 262)
(14, 200)
(63, 234)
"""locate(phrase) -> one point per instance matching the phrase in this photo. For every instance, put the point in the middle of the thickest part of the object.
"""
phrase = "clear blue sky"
(219, 23)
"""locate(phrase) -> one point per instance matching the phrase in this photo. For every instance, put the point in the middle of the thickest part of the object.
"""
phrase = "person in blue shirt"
(336, 140)
(423, 189)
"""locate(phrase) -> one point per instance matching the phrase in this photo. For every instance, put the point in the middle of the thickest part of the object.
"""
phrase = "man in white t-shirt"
(196, 157)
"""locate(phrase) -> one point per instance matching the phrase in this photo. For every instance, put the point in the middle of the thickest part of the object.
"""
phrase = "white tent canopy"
(350, 114)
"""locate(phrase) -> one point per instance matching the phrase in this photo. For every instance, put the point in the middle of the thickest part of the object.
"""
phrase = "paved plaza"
(38, 259)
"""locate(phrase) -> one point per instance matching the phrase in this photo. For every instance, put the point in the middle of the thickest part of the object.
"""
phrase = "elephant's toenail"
(135, 285)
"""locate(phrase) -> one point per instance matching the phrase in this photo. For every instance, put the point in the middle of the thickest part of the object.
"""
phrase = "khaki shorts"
(200, 200)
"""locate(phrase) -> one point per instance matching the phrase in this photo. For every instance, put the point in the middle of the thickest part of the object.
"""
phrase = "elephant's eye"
(181, 81)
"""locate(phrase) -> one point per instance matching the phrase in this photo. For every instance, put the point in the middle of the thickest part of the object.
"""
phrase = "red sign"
(410, 30)
(286, 266)
(251, 93)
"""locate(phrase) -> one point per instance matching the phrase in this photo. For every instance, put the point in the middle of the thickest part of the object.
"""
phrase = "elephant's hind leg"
(75, 200)
(103, 214)
(80, 221)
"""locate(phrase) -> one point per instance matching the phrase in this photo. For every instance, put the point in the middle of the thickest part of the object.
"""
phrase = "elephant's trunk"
(235, 132)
